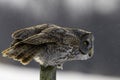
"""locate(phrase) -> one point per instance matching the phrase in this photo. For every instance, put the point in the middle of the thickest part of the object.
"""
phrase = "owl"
(50, 45)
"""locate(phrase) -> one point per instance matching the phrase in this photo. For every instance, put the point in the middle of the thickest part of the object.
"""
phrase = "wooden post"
(48, 73)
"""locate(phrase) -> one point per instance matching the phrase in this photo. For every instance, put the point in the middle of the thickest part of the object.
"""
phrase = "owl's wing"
(53, 34)
(22, 34)
(27, 32)
(40, 38)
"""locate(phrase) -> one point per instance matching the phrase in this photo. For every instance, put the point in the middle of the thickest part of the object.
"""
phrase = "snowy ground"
(19, 73)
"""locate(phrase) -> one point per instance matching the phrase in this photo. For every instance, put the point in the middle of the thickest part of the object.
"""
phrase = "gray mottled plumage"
(50, 45)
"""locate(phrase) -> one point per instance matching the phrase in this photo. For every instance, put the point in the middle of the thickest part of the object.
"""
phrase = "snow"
(9, 72)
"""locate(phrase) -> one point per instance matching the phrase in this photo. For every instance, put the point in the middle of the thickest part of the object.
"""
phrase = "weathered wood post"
(48, 73)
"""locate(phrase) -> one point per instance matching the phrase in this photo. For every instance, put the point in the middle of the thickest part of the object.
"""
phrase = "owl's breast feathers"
(28, 42)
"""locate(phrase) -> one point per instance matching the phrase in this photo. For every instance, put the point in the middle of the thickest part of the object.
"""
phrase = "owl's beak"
(91, 53)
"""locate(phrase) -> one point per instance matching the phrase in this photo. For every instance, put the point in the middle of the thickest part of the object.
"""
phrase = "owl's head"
(85, 45)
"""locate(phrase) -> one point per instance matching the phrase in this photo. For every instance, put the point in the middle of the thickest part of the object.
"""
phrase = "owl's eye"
(85, 44)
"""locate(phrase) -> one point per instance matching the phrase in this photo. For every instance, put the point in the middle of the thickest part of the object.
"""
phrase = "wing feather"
(53, 34)
(27, 32)
(40, 38)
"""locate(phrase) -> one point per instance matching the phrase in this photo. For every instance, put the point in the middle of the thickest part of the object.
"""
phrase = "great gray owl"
(50, 45)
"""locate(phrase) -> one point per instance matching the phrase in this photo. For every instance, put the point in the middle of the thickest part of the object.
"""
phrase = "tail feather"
(31, 54)
(22, 52)
(27, 59)
(8, 51)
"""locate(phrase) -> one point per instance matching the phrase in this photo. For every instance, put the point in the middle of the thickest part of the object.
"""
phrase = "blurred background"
(102, 17)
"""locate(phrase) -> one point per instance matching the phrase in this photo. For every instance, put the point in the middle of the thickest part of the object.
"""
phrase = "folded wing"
(27, 32)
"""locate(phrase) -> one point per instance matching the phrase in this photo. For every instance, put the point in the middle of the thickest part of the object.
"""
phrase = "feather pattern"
(49, 44)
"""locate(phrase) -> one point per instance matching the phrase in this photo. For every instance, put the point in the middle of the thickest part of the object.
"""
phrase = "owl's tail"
(21, 52)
